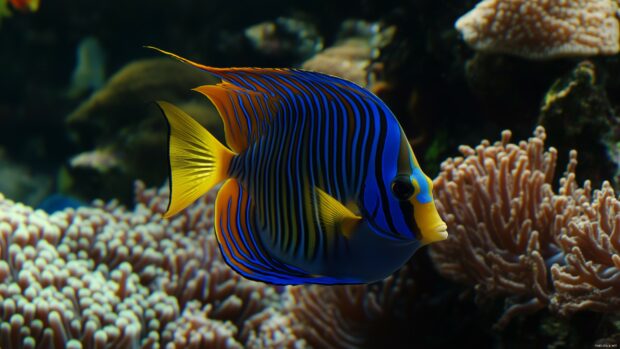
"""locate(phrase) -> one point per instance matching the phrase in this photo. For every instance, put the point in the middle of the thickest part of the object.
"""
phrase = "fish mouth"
(437, 233)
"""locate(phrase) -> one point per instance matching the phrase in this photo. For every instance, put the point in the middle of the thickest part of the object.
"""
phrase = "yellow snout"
(432, 227)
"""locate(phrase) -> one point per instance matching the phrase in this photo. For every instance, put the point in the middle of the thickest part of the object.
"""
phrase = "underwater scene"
(319, 174)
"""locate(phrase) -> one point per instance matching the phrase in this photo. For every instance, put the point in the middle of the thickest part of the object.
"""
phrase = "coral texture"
(109, 277)
(352, 56)
(542, 29)
(590, 279)
(513, 236)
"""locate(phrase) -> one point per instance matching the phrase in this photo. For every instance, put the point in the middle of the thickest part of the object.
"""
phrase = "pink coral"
(542, 29)
(513, 236)
(502, 236)
(590, 279)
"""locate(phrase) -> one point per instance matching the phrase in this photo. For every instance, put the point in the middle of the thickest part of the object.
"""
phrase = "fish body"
(320, 183)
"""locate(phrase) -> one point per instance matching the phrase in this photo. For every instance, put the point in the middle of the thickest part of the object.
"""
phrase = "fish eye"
(402, 188)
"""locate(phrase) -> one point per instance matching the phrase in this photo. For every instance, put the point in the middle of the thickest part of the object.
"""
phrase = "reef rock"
(122, 135)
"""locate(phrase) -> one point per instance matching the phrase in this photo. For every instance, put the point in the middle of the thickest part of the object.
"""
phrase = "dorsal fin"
(246, 109)
(245, 114)
(248, 99)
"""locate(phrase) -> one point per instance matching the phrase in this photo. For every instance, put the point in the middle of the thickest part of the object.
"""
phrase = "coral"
(4, 9)
(291, 38)
(352, 56)
(350, 316)
(590, 279)
(513, 236)
(542, 29)
(104, 276)
(89, 72)
(578, 114)
(20, 182)
(118, 139)
(502, 239)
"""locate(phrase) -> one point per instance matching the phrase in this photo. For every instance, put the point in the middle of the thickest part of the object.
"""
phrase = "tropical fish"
(25, 5)
(320, 184)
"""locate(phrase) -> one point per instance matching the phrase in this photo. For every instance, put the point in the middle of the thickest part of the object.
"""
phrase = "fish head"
(399, 204)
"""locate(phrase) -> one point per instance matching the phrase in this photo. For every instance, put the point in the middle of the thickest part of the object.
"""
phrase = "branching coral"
(513, 236)
(590, 279)
(348, 316)
(498, 201)
(542, 29)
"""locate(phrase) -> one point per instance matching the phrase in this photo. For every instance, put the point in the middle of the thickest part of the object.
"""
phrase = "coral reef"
(291, 39)
(89, 72)
(119, 138)
(577, 114)
(108, 277)
(513, 236)
(353, 55)
(590, 280)
(543, 29)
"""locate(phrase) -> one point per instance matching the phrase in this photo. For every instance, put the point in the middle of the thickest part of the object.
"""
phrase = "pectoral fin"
(334, 216)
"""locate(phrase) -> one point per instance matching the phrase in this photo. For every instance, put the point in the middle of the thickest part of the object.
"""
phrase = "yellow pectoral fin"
(336, 216)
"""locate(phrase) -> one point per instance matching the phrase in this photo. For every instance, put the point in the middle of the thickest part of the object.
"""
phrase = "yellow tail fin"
(198, 161)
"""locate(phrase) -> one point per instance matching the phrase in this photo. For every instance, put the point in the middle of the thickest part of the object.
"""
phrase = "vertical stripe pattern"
(324, 132)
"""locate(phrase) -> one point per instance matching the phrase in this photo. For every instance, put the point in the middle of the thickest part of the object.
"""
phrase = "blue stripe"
(244, 83)
(424, 196)
(355, 148)
(230, 97)
(248, 119)
(364, 148)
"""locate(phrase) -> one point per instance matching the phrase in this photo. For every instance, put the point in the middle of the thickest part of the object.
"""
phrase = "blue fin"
(240, 245)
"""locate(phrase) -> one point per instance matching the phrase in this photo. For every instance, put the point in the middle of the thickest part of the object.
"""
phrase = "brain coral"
(542, 29)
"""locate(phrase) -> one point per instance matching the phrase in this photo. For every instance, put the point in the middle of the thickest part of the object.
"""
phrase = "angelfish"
(320, 184)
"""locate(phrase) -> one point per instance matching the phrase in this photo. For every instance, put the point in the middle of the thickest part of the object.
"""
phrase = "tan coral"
(353, 56)
(348, 316)
(513, 236)
(543, 29)
(499, 203)
(590, 279)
